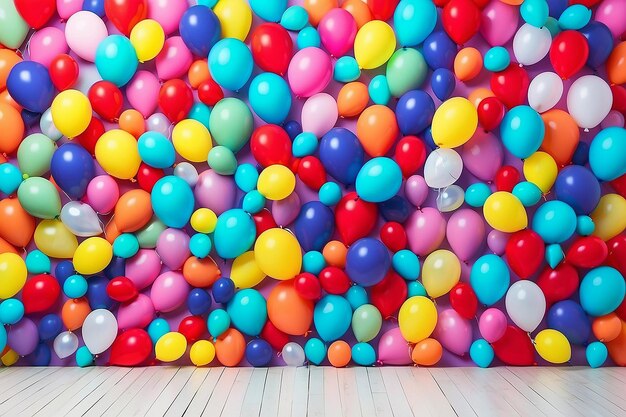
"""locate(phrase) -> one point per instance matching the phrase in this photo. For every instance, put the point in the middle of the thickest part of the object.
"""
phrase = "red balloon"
(558, 284)
(312, 172)
(40, 293)
(308, 286)
(463, 300)
(147, 176)
(441, 3)
(276, 338)
(510, 85)
(568, 53)
(617, 254)
(481, 4)
(588, 3)
(587, 252)
(619, 185)
(619, 98)
(382, 9)
(515, 348)
(271, 48)
(125, 14)
(621, 310)
(490, 113)
(122, 289)
(393, 235)
(334, 280)
(131, 348)
(389, 294)
(507, 177)
(193, 328)
(461, 20)
(106, 100)
(210, 92)
(91, 135)
(270, 145)
(410, 155)
(36, 12)
(175, 100)
(355, 218)
(263, 220)
(524, 252)
(63, 71)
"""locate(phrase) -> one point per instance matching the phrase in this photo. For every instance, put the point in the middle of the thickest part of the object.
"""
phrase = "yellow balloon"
(170, 347)
(553, 346)
(147, 37)
(71, 112)
(441, 271)
(609, 216)
(245, 272)
(540, 169)
(454, 123)
(54, 239)
(504, 212)
(203, 220)
(12, 274)
(278, 254)
(117, 154)
(276, 182)
(235, 18)
(9, 358)
(92, 256)
(192, 140)
(417, 318)
(374, 44)
(202, 353)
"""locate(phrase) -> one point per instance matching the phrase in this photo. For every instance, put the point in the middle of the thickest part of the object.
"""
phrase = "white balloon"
(544, 91)
(47, 126)
(158, 122)
(319, 114)
(531, 44)
(293, 354)
(187, 172)
(81, 219)
(589, 101)
(525, 304)
(443, 168)
(83, 32)
(99, 330)
(65, 344)
(450, 198)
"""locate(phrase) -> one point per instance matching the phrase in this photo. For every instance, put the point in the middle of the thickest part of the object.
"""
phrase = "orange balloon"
(616, 64)
(318, 9)
(513, 2)
(16, 225)
(289, 312)
(6, 247)
(132, 211)
(561, 137)
(477, 95)
(427, 352)
(339, 354)
(3, 159)
(201, 273)
(111, 232)
(377, 129)
(352, 98)
(74, 312)
(468, 63)
(198, 73)
(12, 128)
(8, 59)
(6, 98)
(607, 328)
(230, 347)
(617, 347)
(335, 253)
(132, 121)
(359, 10)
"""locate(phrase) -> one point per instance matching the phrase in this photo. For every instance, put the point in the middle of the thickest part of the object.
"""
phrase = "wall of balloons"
(365, 182)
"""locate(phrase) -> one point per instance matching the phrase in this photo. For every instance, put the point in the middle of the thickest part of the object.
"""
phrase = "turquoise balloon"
(172, 201)
(200, 245)
(522, 131)
(230, 62)
(246, 177)
(75, 286)
(574, 17)
(308, 37)
(332, 316)
(363, 354)
(602, 291)
(553, 26)
(208, 3)
(554, 221)
(253, 202)
(231, 123)
(378, 89)
(270, 97)
(315, 351)
(406, 71)
(200, 112)
(3, 337)
(158, 328)
(535, 12)
(496, 59)
(38, 262)
(528, 193)
(156, 150)
(414, 20)
(313, 262)
(607, 154)
(415, 289)
(125, 245)
(330, 193)
(406, 264)
(295, 18)
(304, 144)
(357, 296)
(596, 354)
(476, 194)
(585, 225)
(11, 311)
(271, 11)
(84, 357)
(222, 160)
(481, 353)
(10, 178)
(346, 70)
(116, 60)
(490, 279)
(378, 180)
(234, 234)
(218, 322)
(248, 311)
(554, 255)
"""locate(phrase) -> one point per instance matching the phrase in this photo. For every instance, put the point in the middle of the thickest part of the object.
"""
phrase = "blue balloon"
(218, 322)
(38, 262)
(41, 356)
(476, 194)
(378, 180)
(522, 131)
(581, 154)
(10, 178)
(84, 357)
(443, 83)
(378, 90)
(330, 193)
(75, 286)
(156, 150)
(314, 225)
(528, 193)
(332, 317)
(406, 264)
(341, 154)
(125, 245)
(490, 279)
(248, 311)
(315, 351)
(428, 139)
(293, 129)
(396, 209)
(199, 301)
(497, 59)
(535, 12)
(49, 327)
(481, 353)
(230, 62)
(363, 354)
(313, 262)
(116, 60)
(357, 296)
(346, 70)
(11, 311)
(569, 318)
(414, 112)
(439, 50)
(29, 84)
(557, 7)
(295, 18)
(259, 353)
(234, 234)
(554, 255)
(116, 268)
(578, 187)
(270, 97)
(596, 354)
(607, 153)
(585, 225)
(94, 6)
(200, 245)
(602, 291)
(575, 17)
(308, 37)
(554, 221)
(200, 29)
(157, 329)
(414, 20)
(367, 261)
(97, 293)
(415, 288)
(253, 202)
(223, 290)
(29, 117)
(72, 168)
(172, 201)
(271, 11)
(246, 177)
(600, 40)
(201, 113)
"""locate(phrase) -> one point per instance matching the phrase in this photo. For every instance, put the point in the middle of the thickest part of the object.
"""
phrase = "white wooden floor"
(313, 391)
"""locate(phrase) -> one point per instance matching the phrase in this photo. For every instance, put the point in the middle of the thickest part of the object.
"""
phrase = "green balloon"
(366, 322)
(406, 71)
(149, 234)
(231, 123)
(39, 197)
(13, 29)
(35, 153)
(222, 160)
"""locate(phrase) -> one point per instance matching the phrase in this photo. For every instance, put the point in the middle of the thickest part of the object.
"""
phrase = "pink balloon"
(498, 22)
(174, 59)
(286, 210)
(102, 194)
(143, 92)
(215, 191)
(169, 291)
(135, 314)
(173, 248)
(425, 230)
(84, 31)
(143, 268)
(66, 8)
(46, 44)
(466, 233)
(492, 325)
(613, 14)
(614, 118)
(337, 31)
(482, 155)
(416, 190)
(167, 13)
(310, 71)
(453, 332)
(496, 241)
(319, 114)
(393, 349)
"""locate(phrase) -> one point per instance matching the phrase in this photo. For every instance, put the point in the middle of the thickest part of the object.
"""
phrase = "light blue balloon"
(158, 328)
(270, 10)
(11, 311)
(607, 153)
(315, 351)
(346, 70)
(200, 112)
(116, 60)
(535, 12)
(406, 264)
(357, 296)
(528, 193)
(270, 97)
(602, 291)
(200, 245)
(522, 131)
(415, 289)
(481, 353)
(84, 357)
(330, 193)
(596, 354)
(38, 262)
(313, 262)
(246, 177)
(295, 18)
(554, 255)
(10, 178)
(125, 245)
(363, 354)
(490, 279)
(332, 317)
(234, 234)
(585, 225)
(3, 338)
(378, 180)
(156, 150)
(574, 17)
(476, 194)
(248, 311)
(308, 37)
(554, 221)
(378, 89)
(253, 202)
(414, 20)
(497, 59)
(304, 144)
(230, 62)
(75, 286)
(172, 201)
(218, 322)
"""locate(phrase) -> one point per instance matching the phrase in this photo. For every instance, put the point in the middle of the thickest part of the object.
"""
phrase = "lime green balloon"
(13, 29)
(39, 197)
(231, 123)
(149, 234)
(35, 153)
(366, 322)
(406, 70)
(222, 160)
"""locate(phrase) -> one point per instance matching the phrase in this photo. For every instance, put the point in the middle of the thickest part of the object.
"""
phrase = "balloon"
(99, 330)
(319, 114)
(378, 90)
(13, 126)
(413, 21)
(366, 322)
(169, 291)
(392, 234)
(295, 18)
(276, 182)
(309, 72)
(439, 50)
(499, 22)
(378, 180)
(461, 20)
(525, 304)
(604, 154)
(553, 346)
(74, 312)
(545, 91)
(314, 225)
(337, 31)
(443, 83)
(33, 156)
(116, 60)
(293, 354)
(352, 99)
(235, 19)
(417, 319)
(339, 353)
(596, 354)
(465, 232)
(531, 44)
(276, 245)
(72, 168)
(15, 26)
(341, 154)
(414, 112)
(65, 344)
(514, 348)
(367, 261)
(496, 241)
(170, 347)
(452, 135)
(80, 219)
(453, 332)
(440, 263)
(569, 318)
(568, 53)
(231, 123)
(174, 60)
(29, 84)
(116, 152)
(270, 97)
(522, 131)
(601, 291)
(389, 294)
(393, 348)
(200, 29)
(230, 347)
(248, 311)
(504, 212)
(481, 353)
(425, 230)
(84, 31)
(332, 317)
(175, 99)
(600, 41)
(374, 44)
(584, 89)
(131, 348)
(39, 198)
(416, 190)
(443, 167)
(63, 71)
(497, 59)
(510, 85)
(482, 155)
(492, 325)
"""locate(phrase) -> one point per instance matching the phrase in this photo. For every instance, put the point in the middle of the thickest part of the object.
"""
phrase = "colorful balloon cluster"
(178, 183)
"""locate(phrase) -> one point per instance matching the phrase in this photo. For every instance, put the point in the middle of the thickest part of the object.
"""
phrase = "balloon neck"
(586, 129)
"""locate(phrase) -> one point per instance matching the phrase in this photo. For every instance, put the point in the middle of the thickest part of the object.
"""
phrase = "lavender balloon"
(416, 190)
(425, 230)
(215, 191)
(158, 122)
(466, 233)
(173, 248)
(23, 337)
(497, 241)
(482, 155)
(286, 210)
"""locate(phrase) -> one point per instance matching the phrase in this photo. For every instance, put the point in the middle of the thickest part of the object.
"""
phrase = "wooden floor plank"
(216, 403)
(300, 399)
(366, 400)
(132, 378)
(19, 381)
(187, 392)
(453, 395)
(348, 392)
(271, 393)
(332, 398)
(382, 407)
(435, 400)
(146, 379)
(251, 406)
(205, 392)
(287, 382)
(144, 399)
(316, 400)
(395, 393)
(162, 403)
(234, 401)
(92, 398)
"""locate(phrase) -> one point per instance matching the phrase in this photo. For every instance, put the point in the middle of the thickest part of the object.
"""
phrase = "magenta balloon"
(498, 22)
(143, 268)
(496, 241)
(135, 314)
(453, 332)
(482, 155)
(425, 230)
(492, 325)
(215, 191)
(416, 190)
(23, 337)
(337, 31)
(143, 92)
(167, 13)
(174, 59)
(309, 72)
(393, 349)
(173, 248)
(285, 211)
(613, 14)
(169, 291)
(466, 233)
(102, 194)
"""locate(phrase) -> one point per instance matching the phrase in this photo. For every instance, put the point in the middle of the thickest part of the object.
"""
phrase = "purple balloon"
(23, 337)
(169, 291)
(497, 240)
(425, 230)
(286, 210)
(173, 248)
(135, 314)
(143, 268)
(453, 332)
(416, 190)
(465, 233)
(215, 191)
(393, 348)
(482, 155)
